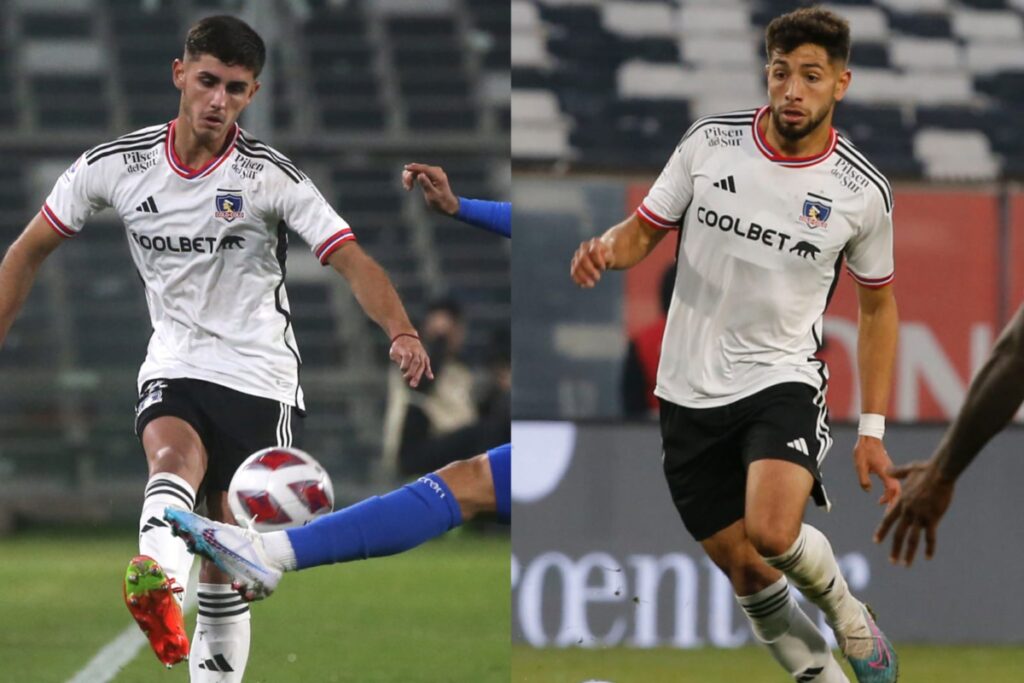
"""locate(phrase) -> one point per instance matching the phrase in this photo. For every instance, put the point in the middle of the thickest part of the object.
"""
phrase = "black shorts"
(232, 425)
(707, 450)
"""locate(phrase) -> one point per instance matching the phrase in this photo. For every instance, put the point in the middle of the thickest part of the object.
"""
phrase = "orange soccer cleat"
(149, 595)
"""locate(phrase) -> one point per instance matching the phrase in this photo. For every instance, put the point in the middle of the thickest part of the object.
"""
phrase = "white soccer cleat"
(238, 552)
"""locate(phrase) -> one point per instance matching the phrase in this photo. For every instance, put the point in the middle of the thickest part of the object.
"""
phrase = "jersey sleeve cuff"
(59, 227)
(654, 220)
(332, 244)
(872, 282)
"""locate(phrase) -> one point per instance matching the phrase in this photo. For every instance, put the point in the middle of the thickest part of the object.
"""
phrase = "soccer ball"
(278, 488)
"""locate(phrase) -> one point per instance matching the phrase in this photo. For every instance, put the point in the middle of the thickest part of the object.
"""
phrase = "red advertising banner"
(948, 252)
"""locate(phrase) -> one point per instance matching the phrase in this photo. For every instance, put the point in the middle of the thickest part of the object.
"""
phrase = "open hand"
(925, 498)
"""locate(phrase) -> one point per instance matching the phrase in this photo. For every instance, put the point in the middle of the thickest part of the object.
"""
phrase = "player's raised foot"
(237, 551)
(150, 597)
(871, 656)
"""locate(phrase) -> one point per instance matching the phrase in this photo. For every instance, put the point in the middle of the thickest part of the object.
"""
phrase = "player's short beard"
(798, 133)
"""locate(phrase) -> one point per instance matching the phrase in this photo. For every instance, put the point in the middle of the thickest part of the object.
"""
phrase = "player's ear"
(843, 82)
(178, 73)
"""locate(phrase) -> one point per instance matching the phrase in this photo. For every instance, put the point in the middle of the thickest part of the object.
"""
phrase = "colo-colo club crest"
(229, 207)
(816, 211)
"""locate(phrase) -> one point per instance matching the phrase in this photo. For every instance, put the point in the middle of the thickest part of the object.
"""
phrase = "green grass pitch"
(437, 613)
(919, 664)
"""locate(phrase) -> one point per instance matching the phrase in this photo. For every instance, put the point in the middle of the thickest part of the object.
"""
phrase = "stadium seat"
(925, 54)
(639, 19)
(721, 20)
(867, 23)
(988, 58)
(714, 52)
(955, 155)
(988, 26)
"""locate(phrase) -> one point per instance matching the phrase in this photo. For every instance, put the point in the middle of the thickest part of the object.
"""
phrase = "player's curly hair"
(230, 40)
(813, 25)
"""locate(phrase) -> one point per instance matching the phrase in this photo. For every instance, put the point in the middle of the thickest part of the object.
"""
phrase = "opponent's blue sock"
(378, 526)
(493, 216)
(500, 459)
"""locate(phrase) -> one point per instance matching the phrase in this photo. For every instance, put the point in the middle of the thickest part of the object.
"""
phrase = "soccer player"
(767, 203)
(205, 207)
(995, 395)
(381, 525)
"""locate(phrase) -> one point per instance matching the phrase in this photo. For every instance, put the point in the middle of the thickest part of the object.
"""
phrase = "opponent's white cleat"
(237, 551)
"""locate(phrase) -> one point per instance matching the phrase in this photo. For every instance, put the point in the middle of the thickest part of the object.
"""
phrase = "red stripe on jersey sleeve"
(332, 243)
(55, 223)
(872, 282)
(654, 220)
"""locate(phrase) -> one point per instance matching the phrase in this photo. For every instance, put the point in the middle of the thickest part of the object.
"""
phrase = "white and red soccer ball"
(278, 488)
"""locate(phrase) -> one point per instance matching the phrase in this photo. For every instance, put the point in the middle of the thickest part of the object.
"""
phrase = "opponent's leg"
(156, 579)
(376, 527)
(500, 461)
(776, 619)
(776, 494)
(220, 644)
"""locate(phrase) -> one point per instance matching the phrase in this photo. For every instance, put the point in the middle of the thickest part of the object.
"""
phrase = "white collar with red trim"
(189, 173)
(793, 162)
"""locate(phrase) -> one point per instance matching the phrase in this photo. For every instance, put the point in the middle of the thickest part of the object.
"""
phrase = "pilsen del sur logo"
(816, 211)
(228, 205)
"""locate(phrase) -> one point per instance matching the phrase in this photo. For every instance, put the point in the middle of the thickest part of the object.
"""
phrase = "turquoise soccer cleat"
(881, 665)
(238, 552)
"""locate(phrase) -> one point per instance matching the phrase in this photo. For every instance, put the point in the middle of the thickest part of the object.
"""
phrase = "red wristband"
(405, 334)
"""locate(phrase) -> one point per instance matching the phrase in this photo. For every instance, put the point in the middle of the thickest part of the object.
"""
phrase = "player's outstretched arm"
(877, 333)
(434, 182)
(995, 395)
(18, 269)
(378, 298)
(620, 247)
(493, 216)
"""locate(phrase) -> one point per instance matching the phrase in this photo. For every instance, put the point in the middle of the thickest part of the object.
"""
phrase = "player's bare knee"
(744, 567)
(771, 540)
(175, 460)
(470, 482)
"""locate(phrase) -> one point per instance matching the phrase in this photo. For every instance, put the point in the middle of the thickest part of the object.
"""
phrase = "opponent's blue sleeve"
(500, 459)
(378, 526)
(493, 216)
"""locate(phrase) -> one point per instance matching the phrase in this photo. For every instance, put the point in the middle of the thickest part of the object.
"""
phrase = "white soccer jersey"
(763, 237)
(210, 246)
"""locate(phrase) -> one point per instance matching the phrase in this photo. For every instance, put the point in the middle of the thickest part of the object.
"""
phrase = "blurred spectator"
(640, 368)
(428, 427)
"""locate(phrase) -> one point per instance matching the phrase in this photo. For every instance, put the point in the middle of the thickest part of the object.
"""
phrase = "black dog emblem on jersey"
(228, 207)
(231, 242)
(806, 249)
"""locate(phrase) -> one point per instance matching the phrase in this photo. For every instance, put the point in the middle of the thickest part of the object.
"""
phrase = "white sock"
(279, 550)
(155, 539)
(220, 645)
(811, 566)
(790, 635)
